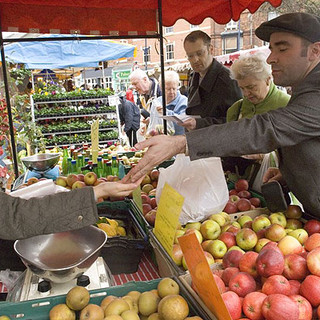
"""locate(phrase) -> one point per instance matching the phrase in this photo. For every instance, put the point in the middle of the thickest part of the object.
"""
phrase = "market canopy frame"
(109, 19)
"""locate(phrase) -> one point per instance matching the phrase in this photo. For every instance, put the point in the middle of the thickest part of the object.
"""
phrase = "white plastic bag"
(269, 160)
(201, 183)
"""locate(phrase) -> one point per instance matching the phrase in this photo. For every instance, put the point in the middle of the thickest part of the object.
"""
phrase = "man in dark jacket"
(130, 117)
(211, 90)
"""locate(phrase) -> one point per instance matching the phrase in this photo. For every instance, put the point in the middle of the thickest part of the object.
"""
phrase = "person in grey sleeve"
(294, 41)
(55, 213)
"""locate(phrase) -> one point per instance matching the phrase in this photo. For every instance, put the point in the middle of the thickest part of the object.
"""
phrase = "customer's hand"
(273, 174)
(189, 124)
(115, 189)
(160, 148)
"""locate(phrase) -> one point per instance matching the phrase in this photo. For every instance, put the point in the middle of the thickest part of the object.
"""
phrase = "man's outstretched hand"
(160, 148)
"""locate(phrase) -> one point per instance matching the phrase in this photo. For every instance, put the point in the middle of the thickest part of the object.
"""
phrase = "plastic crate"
(166, 266)
(39, 309)
(123, 253)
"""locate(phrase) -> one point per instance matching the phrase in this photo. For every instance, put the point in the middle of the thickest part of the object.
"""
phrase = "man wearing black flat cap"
(295, 130)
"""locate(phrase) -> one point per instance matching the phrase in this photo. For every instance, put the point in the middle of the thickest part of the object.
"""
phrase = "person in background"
(55, 213)
(129, 94)
(260, 95)
(294, 41)
(130, 118)
(148, 89)
(211, 91)
(176, 103)
(183, 90)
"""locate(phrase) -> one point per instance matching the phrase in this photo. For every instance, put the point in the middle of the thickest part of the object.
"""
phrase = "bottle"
(65, 157)
(100, 167)
(71, 151)
(95, 169)
(114, 166)
(109, 170)
(80, 162)
(74, 168)
(86, 166)
(105, 168)
(69, 166)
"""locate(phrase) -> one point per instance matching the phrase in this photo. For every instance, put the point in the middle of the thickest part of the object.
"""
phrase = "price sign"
(113, 100)
(95, 140)
(202, 277)
(167, 219)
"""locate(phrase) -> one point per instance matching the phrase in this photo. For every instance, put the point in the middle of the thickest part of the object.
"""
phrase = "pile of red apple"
(240, 198)
(148, 193)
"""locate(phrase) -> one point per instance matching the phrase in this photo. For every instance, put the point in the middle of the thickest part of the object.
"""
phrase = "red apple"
(232, 258)
(146, 207)
(233, 192)
(293, 212)
(310, 289)
(244, 194)
(313, 261)
(228, 238)
(220, 284)
(305, 308)
(255, 202)
(228, 273)
(248, 225)
(275, 232)
(71, 179)
(312, 226)
(81, 177)
(153, 202)
(230, 208)
(177, 254)
(294, 287)
(154, 174)
(151, 216)
(247, 263)
(233, 304)
(78, 185)
(312, 242)
(269, 262)
(242, 283)
(241, 185)
(295, 267)
(276, 284)
(145, 199)
(244, 205)
(271, 245)
(252, 305)
(204, 244)
(279, 307)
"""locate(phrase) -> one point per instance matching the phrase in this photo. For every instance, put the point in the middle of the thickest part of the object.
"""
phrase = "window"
(108, 82)
(169, 51)
(168, 30)
(194, 26)
(146, 54)
(230, 44)
(232, 25)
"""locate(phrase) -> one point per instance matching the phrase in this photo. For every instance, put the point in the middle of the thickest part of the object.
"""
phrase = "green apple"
(210, 230)
(193, 225)
(260, 222)
(218, 218)
(236, 224)
(197, 232)
(288, 230)
(4, 318)
(178, 234)
(243, 219)
(246, 239)
(217, 248)
(260, 244)
(300, 234)
(294, 224)
(226, 216)
(235, 248)
(278, 218)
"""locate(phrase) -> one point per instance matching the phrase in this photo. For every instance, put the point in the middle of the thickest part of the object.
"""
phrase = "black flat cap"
(301, 24)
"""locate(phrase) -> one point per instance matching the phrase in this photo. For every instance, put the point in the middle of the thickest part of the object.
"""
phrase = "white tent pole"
(103, 79)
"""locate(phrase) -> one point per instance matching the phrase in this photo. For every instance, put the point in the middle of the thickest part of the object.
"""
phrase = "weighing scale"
(41, 165)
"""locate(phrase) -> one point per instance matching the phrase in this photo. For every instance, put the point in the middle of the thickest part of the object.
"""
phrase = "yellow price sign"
(167, 219)
(95, 140)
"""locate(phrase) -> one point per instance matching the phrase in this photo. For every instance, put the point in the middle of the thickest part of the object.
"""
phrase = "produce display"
(164, 303)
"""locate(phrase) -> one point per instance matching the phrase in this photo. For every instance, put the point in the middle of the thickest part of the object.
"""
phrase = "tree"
(287, 6)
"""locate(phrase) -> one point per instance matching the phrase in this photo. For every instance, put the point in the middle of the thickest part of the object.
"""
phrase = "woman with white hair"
(260, 95)
(176, 104)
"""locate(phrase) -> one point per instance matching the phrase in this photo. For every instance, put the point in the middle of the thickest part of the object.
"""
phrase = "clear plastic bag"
(202, 184)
